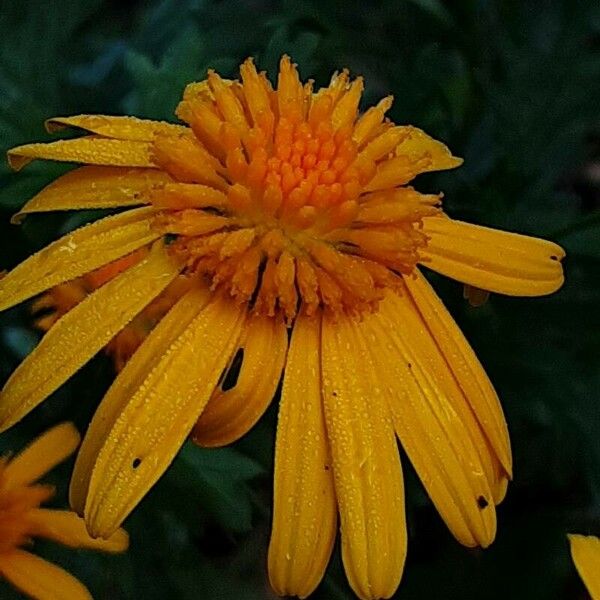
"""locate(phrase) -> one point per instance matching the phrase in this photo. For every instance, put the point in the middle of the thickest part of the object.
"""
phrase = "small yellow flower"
(283, 208)
(585, 551)
(22, 518)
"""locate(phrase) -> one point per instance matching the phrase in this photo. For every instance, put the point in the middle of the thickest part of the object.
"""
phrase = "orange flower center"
(290, 200)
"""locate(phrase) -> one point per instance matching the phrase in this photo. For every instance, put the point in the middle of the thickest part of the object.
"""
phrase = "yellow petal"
(126, 384)
(42, 455)
(95, 187)
(366, 464)
(121, 128)
(304, 507)
(232, 413)
(40, 579)
(585, 551)
(76, 253)
(416, 153)
(493, 260)
(82, 332)
(148, 433)
(429, 421)
(69, 529)
(464, 365)
(91, 150)
(447, 372)
(417, 145)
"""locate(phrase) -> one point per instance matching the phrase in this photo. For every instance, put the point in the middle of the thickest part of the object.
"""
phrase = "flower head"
(282, 208)
(22, 518)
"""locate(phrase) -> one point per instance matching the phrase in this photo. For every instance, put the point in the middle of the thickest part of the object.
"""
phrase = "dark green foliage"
(511, 86)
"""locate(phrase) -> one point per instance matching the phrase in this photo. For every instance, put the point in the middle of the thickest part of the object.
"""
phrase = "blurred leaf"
(582, 237)
(219, 478)
(158, 89)
(435, 8)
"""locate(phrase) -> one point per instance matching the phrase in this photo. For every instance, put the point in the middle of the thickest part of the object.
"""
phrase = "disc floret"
(287, 197)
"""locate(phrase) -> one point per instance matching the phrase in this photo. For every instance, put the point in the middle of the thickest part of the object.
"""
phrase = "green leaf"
(219, 479)
(158, 88)
(436, 9)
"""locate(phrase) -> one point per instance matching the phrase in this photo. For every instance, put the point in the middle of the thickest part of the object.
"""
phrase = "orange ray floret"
(275, 208)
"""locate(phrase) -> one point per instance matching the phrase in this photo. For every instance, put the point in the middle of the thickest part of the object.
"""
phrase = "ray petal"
(147, 434)
(39, 578)
(125, 385)
(232, 413)
(69, 529)
(118, 127)
(366, 462)
(419, 146)
(464, 364)
(82, 332)
(77, 253)
(42, 455)
(585, 551)
(91, 150)
(95, 187)
(304, 510)
(476, 452)
(428, 419)
(493, 260)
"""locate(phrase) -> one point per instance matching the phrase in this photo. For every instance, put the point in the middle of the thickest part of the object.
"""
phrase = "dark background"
(514, 88)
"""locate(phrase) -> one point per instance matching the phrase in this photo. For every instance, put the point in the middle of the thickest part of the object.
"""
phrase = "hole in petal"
(482, 502)
(231, 377)
(136, 463)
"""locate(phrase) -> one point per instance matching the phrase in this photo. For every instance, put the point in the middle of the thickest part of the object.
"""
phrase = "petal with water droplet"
(304, 508)
(118, 127)
(230, 414)
(464, 365)
(91, 150)
(149, 431)
(428, 419)
(492, 260)
(130, 378)
(366, 463)
(76, 253)
(95, 187)
(82, 332)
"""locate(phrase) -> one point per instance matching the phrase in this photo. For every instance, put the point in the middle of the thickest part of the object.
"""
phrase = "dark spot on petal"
(327, 467)
(410, 365)
(233, 372)
(482, 502)
(334, 394)
(136, 463)
(213, 210)
(554, 257)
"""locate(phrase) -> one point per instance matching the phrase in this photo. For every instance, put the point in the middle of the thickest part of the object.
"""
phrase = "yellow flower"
(22, 518)
(585, 551)
(284, 208)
